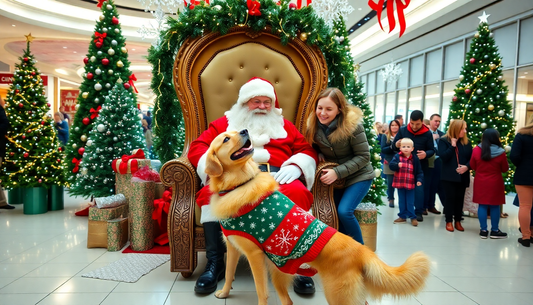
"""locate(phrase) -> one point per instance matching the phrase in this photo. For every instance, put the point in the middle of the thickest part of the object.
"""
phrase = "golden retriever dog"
(349, 271)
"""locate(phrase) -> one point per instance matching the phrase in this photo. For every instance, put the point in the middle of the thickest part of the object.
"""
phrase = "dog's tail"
(401, 281)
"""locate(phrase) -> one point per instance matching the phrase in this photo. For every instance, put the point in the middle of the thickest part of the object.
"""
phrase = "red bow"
(253, 8)
(123, 166)
(130, 81)
(400, 6)
(299, 3)
(160, 214)
(100, 3)
(77, 165)
(94, 113)
(99, 37)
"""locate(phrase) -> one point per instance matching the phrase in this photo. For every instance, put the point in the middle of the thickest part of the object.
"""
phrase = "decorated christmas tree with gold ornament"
(481, 96)
(105, 63)
(33, 154)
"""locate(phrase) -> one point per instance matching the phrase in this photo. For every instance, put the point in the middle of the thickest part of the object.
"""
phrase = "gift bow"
(299, 3)
(77, 165)
(253, 8)
(160, 206)
(123, 165)
(130, 81)
(99, 37)
(400, 6)
(100, 3)
(94, 112)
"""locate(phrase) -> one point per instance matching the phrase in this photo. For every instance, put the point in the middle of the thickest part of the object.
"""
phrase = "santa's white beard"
(262, 125)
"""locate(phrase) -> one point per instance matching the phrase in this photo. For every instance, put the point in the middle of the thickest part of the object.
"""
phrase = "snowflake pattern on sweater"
(288, 235)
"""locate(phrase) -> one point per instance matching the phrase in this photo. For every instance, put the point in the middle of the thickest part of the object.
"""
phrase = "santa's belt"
(266, 167)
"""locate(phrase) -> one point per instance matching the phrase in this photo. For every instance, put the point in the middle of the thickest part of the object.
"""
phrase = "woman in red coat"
(489, 161)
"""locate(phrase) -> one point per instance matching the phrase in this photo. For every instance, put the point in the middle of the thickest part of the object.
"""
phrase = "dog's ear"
(213, 167)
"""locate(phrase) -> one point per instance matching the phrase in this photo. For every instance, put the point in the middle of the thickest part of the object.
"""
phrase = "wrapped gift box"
(107, 214)
(367, 216)
(125, 167)
(141, 206)
(97, 234)
(117, 234)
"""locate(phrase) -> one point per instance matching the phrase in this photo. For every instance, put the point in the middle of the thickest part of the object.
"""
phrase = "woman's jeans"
(351, 198)
(494, 216)
(390, 189)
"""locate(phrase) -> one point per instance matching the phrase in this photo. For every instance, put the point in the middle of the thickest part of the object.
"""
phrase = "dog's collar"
(224, 192)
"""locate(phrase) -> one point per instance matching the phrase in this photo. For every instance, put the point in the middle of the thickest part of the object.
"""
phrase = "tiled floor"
(43, 256)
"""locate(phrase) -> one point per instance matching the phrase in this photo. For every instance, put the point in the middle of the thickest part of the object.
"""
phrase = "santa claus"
(279, 148)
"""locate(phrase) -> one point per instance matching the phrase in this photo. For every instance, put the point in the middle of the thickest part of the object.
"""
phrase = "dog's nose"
(244, 132)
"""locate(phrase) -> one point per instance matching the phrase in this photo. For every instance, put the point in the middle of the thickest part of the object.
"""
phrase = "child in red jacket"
(408, 172)
(489, 161)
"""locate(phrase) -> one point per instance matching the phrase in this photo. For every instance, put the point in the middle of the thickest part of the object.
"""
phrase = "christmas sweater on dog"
(287, 234)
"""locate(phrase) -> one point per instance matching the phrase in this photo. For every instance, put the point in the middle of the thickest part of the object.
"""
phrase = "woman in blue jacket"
(62, 128)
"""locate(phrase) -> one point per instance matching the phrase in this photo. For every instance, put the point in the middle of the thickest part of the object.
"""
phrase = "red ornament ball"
(292, 6)
(90, 75)
(58, 160)
(81, 150)
(23, 137)
(105, 61)
(127, 85)
(30, 112)
(454, 98)
(26, 155)
(11, 153)
(32, 72)
(40, 180)
(48, 104)
(26, 59)
(467, 91)
(114, 20)
(60, 149)
(86, 121)
(17, 91)
(472, 60)
(43, 122)
(98, 44)
(86, 60)
(21, 105)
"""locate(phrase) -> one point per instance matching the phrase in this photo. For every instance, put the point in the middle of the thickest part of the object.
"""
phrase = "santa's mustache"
(262, 111)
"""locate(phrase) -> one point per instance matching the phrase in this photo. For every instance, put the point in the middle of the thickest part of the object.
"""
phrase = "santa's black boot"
(215, 268)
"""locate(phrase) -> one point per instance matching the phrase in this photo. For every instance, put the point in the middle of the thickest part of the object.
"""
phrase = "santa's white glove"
(288, 174)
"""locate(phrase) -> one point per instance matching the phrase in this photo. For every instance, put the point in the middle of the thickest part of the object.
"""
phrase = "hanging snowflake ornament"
(391, 73)
(330, 10)
(151, 31)
(170, 5)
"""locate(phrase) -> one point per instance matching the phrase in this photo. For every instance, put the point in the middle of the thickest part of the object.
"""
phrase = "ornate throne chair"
(208, 73)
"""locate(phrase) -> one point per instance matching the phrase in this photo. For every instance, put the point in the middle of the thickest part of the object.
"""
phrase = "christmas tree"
(481, 95)
(33, 154)
(116, 131)
(106, 62)
(286, 20)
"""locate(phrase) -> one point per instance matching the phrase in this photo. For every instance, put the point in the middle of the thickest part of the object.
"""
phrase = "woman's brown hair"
(455, 129)
(528, 129)
(389, 135)
(344, 128)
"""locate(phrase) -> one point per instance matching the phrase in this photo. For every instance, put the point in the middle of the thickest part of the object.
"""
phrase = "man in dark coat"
(435, 186)
(4, 127)
(424, 149)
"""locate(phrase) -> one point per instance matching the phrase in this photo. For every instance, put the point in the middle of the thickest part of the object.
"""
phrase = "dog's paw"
(221, 294)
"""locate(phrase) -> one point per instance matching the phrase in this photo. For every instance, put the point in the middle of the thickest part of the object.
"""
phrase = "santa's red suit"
(291, 149)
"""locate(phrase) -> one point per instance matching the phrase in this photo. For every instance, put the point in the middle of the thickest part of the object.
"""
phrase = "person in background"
(147, 135)
(148, 118)
(489, 161)
(399, 118)
(388, 153)
(4, 127)
(435, 186)
(455, 152)
(66, 117)
(378, 128)
(424, 149)
(426, 123)
(62, 128)
(522, 158)
(407, 173)
(336, 131)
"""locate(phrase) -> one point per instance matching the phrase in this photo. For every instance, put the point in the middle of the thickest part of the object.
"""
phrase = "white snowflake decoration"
(329, 10)
(391, 73)
(152, 31)
(170, 5)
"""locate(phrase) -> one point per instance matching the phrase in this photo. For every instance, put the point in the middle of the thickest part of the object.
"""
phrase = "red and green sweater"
(288, 235)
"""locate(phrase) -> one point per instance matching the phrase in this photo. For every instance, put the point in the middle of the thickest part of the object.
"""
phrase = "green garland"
(221, 16)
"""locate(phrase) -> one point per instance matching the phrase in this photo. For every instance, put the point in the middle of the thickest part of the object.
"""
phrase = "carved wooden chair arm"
(324, 205)
(181, 176)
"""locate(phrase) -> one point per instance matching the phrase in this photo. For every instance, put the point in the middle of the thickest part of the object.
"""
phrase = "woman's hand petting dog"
(328, 176)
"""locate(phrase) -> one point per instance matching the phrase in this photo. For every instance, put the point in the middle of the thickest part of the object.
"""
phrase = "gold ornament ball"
(85, 94)
(120, 64)
(83, 138)
(491, 107)
(124, 50)
(377, 157)
(303, 36)
(492, 66)
(476, 35)
(101, 17)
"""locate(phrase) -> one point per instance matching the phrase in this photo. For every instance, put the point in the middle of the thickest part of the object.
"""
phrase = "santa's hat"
(257, 86)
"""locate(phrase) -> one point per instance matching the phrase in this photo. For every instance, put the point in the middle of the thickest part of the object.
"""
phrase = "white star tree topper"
(484, 17)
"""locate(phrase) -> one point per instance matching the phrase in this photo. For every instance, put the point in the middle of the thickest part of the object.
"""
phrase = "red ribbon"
(123, 166)
(95, 113)
(299, 3)
(160, 214)
(100, 3)
(130, 81)
(400, 7)
(99, 37)
(253, 8)
(77, 165)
